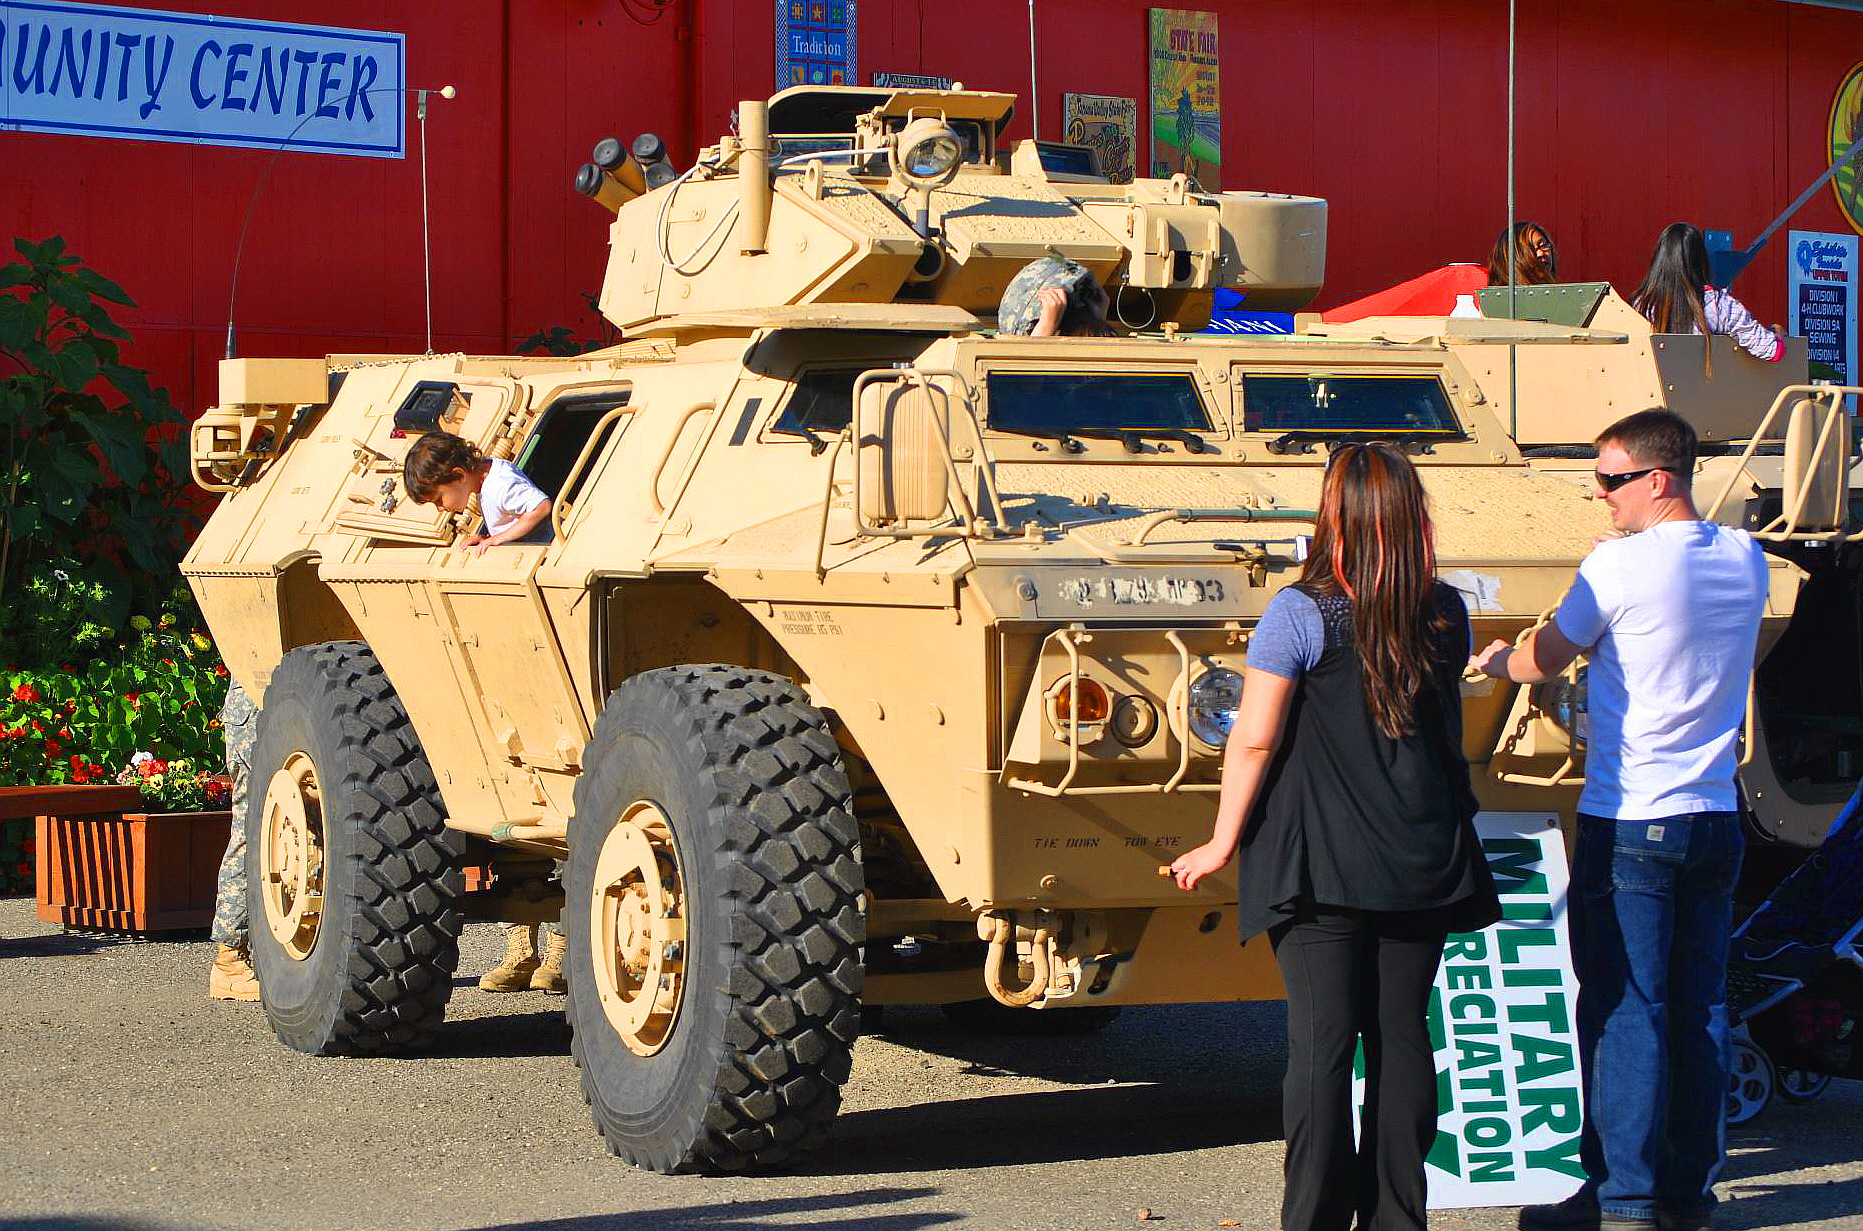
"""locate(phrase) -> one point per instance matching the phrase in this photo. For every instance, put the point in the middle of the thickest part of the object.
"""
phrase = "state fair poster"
(1503, 1018)
(1186, 117)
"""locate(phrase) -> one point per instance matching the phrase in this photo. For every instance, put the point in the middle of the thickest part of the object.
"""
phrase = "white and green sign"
(1504, 1022)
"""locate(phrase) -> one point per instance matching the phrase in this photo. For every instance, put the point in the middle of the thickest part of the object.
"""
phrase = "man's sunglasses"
(1611, 482)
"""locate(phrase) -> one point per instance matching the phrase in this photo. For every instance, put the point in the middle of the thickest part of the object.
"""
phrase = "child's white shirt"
(506, 495)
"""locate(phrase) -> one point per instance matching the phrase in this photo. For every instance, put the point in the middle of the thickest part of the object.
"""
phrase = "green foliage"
(89, 453)
(177, 786)
(562, 341)
(158, 689)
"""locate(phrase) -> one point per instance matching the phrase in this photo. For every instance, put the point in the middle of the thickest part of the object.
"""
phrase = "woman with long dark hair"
(1524, 249)
(1676, 297)
(1345, 789)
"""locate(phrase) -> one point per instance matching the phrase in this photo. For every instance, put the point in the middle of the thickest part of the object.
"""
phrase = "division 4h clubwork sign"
(1504, 1024)
(92, 70)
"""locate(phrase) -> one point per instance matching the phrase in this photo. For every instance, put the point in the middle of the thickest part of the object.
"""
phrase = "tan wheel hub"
(291, 856)
(637, 929)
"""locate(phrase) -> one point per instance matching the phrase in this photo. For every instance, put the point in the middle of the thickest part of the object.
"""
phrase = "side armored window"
(557, 441)
(822, 403)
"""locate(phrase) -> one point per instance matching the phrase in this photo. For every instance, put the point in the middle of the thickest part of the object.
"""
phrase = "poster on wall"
(1107, 124)
(1503, 1018)
(1846, 125)
(1186, 118)
(815, 42)
(89, 70)
(1821, 295)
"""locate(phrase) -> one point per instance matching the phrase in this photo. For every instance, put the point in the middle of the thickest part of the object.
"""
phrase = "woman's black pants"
(1353, 974)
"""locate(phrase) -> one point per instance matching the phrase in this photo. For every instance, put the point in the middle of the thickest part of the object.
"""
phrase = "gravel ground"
(137, 1103)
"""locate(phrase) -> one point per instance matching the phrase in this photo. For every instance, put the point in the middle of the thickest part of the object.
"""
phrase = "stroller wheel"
(1802, 1085)
(1751, 1080)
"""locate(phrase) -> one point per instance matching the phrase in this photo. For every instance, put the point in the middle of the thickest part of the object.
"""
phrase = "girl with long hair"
(1526, 249)
(1345, 790)
(1676, 298)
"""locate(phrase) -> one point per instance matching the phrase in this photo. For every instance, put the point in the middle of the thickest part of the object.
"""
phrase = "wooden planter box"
(128, 871)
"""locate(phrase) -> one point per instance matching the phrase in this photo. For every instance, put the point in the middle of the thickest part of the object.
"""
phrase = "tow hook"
(1002, 933)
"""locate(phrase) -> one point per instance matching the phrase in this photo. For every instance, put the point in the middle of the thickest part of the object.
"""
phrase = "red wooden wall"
(1630, 116)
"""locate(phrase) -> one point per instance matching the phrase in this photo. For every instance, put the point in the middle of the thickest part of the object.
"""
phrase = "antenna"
(1034, 84)
(239, 250)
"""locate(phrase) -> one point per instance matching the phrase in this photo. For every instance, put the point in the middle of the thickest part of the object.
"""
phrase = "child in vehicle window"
(444, 469)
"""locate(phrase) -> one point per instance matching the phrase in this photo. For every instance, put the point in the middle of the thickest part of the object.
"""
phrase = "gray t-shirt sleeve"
(1288, 640)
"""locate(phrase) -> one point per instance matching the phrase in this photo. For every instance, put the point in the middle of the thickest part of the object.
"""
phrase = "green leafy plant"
(88, 451)
(159, 691)
(562, 341)
(177, 785)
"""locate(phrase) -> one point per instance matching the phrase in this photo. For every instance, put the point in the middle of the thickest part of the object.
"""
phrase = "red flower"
(38, 727)
(219, 669)
(168, 662)
(52, 749)
(26, 692)
(134, 699)
(152, 767)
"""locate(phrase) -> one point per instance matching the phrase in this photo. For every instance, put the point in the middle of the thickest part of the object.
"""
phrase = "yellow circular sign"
(1845, 127)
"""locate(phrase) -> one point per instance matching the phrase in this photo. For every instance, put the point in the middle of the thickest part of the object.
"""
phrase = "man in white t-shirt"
(1669, 613)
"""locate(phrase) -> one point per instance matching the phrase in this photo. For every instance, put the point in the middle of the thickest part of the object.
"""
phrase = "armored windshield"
(1388, 405)
(1054, 402)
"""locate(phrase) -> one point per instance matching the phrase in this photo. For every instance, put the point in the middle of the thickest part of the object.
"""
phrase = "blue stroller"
(1795, 978)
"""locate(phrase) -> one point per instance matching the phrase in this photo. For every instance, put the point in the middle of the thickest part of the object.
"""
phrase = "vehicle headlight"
(1214, 697)
(1563, 700)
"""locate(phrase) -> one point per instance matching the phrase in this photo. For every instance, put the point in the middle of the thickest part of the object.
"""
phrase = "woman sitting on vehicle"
(1525, 250)
(1676, 297)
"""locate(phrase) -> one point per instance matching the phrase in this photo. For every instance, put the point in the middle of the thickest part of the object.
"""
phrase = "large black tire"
(378, 975)
(751, 784)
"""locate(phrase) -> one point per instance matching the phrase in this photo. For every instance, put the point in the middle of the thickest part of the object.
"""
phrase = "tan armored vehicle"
(875, 658)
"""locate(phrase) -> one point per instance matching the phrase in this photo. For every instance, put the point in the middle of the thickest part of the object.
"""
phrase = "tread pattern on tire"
(405, 921)
(790, 867)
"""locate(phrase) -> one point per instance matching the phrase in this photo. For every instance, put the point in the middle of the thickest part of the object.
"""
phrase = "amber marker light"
(1094, 704)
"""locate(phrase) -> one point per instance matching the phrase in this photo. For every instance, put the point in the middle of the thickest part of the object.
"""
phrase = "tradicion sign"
(140, 74)
(1504, 1024)
(815, 42)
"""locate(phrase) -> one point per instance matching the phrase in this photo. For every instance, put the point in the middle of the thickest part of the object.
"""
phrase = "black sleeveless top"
(1349, 817)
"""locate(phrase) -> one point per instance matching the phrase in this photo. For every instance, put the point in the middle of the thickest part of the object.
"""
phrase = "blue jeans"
(1651, 912)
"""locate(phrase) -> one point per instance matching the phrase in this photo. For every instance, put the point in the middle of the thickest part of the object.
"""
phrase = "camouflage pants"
(240, 722)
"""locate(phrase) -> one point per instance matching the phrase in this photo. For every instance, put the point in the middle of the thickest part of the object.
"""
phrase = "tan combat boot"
(232, 977)
(549, 976)
(513, 972)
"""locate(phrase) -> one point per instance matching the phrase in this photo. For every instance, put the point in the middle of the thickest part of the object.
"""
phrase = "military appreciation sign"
(140, 74)
(1504, 1023)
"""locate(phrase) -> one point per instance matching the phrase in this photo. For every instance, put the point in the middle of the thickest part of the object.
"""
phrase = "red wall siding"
(1630, 116)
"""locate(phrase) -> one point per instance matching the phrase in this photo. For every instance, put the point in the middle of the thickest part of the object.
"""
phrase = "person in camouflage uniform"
(1053, 297)
(232, 977)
